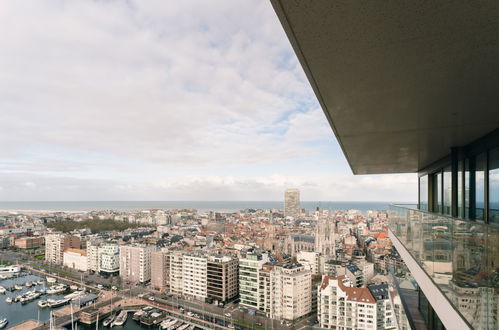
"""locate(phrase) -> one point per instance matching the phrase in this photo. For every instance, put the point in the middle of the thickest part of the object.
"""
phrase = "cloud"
(110, 100)
(395, 188)
(170, 84)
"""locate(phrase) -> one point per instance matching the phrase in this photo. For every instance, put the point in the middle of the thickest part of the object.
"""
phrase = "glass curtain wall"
(480, 166)
(494, 186)
(423, 193)
(447, 191)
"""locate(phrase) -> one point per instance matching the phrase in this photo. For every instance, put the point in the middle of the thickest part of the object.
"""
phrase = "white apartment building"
(385, 310)
(135, 263)
(75, 259)
(250, 266)
(201, 276)
(56, 244)
(194, 276)
(340, 306)
(93, 255)
(109, 258)
(286, 291)
(310, 260)
(176, 272)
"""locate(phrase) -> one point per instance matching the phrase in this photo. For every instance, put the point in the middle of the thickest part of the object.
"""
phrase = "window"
(480, 165)
(423, 193)
(447, 191)
(467, 187)
(460, 189)
(494, 186)
(437, 192)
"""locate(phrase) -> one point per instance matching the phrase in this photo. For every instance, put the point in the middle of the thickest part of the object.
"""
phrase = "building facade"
(292, 203)
(75, 259)
(250, 265)
(56, 244)
(109, 258)
(160, 271)
(135, 263)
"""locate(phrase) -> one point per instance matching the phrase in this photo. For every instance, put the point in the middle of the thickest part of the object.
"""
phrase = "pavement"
(207, 311)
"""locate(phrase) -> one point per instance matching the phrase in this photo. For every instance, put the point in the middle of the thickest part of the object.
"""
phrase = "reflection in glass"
(467, 185)
(437, 192)
(480, 186)
(460, 189)
(494, 185)
(423, 193)
(447, 191)
(461, 257)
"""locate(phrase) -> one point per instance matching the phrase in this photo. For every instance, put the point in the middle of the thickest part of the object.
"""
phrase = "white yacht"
(9, 270)
(2, 290)
(3, 322)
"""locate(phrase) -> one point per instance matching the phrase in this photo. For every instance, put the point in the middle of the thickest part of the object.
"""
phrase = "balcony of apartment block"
(455, 262)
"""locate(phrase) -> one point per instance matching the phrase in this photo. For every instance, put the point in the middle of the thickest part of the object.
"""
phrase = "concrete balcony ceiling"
(399, 81)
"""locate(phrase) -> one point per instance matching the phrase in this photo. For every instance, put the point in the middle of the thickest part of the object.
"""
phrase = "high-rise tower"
(292, 203)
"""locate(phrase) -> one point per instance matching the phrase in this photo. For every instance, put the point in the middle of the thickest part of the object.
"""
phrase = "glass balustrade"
(461, 257)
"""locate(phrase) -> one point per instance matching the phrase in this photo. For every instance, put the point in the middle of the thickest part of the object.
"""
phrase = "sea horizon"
(202, 206)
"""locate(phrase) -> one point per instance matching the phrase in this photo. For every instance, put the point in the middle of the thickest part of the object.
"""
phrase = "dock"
(26, 325)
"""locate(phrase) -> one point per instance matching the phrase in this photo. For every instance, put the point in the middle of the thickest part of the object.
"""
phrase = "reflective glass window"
(480, 165)
(467, 185)
(437, 192)
(423, 193)
(447, 191)
(494, 185)
(460, 189)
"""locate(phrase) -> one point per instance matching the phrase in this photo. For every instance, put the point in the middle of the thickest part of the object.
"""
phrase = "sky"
(164, 100)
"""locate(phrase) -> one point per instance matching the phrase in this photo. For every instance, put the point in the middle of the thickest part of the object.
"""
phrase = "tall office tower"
(222, 278)
(285, 291)
(56, 244)
(109, 258)
(292, 203)
(325, 237)
(250, 265)
(343, 307)
(160, 270)
(395, 123)
(93, 254)
(135, 263)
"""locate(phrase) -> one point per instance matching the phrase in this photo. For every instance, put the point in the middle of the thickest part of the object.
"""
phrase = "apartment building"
(29, 242)
(360, 272)
(93, 254)
(285, 291)
(384, 307)
(250, 265)
(135, 263)
(160, 271)
(109, 258)
(194, 276)
(311, 260)
(222, 278)
(409, 91)
(56, 244)
(176, 272)
(340, 306)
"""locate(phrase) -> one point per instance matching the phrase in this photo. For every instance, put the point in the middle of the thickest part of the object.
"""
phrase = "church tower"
(325, 237)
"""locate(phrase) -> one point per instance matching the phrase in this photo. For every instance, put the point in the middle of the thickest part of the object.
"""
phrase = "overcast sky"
(164, 100)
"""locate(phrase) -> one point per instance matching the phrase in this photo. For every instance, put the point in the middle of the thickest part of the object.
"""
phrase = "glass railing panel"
(461, 257)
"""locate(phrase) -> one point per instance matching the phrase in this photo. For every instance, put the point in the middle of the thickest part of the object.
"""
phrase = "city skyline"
(154, 102)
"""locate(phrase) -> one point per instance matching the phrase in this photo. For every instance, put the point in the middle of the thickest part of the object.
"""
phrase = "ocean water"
(203, 206)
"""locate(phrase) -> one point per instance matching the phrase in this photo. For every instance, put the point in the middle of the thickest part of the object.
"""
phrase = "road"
(209, 312)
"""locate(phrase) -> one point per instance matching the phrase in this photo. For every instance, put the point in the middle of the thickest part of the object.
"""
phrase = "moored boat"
(2, 290)
(121, 318)
(8, 300)
(3, 322)
(42, 303)
(107, 322)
